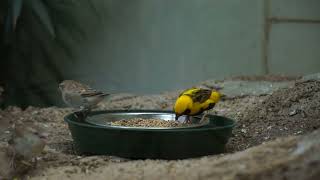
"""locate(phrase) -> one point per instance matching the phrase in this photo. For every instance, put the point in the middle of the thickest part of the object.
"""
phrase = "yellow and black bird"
(195, 101)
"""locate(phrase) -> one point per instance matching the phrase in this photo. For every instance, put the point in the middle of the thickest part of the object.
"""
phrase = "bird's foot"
(203, 117)
(82, 114)
(188, 120)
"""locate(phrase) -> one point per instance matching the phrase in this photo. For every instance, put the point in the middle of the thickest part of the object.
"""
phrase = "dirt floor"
(287, 113)
(291, 111)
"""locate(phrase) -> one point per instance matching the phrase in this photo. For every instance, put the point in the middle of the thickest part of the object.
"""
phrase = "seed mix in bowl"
(140, 122)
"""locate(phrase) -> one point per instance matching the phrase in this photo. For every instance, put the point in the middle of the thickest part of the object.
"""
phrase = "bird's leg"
(78, 114)
(13, 159)
(203, 117)
(82, 113)
(85, 112)
(35, 162)
(187, 120)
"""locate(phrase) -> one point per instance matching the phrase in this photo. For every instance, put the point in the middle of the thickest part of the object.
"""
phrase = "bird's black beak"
(177, 117)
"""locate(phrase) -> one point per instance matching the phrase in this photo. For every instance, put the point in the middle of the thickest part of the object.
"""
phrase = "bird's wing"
(188, 92)
(89, 92)
(201, 95)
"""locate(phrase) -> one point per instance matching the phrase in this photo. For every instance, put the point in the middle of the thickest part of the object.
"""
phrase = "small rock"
(243, 130)
(292, 113)
(35, 112)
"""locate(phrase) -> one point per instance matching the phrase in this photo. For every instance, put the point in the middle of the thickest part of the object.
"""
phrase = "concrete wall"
(150, 46)
(295, 39)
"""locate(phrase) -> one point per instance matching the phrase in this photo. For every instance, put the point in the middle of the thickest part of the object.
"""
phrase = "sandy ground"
(287, 114)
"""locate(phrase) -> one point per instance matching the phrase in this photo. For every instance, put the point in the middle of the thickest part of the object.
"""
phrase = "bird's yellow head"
(215, 96)
(183, 106)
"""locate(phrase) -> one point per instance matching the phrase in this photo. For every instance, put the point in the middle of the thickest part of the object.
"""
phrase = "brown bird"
(80, 96)
(27, 142)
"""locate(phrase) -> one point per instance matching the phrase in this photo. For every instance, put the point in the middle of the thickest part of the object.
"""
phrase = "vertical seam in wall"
(266, 36)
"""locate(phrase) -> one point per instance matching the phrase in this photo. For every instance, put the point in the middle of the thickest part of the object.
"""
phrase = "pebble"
(292, 113)
(243, 130)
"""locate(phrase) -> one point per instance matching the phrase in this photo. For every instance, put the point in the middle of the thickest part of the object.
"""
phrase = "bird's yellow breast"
(196, 108)
(182, 104)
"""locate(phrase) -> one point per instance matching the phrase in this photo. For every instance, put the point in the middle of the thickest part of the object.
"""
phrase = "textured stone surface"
(241, 88)
(286, 154)
(315, 76)
(287, 158)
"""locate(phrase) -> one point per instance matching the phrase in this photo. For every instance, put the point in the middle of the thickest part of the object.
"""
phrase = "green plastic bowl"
(149, 143)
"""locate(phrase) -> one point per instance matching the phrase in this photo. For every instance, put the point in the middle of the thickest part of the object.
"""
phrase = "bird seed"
(140, 122)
